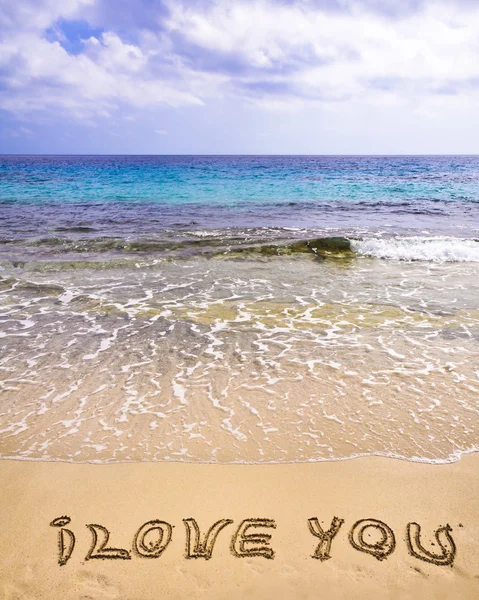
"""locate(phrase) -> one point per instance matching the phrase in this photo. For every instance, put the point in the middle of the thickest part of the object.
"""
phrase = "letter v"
(195, 547)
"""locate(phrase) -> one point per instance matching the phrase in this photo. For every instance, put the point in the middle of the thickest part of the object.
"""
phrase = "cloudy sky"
(239, 76)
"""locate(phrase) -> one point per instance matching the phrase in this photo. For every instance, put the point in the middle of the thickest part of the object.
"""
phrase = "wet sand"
(123, 497)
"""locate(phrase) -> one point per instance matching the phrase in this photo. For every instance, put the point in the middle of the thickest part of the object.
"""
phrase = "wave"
(320, 247)
(419, 248)
(254, 243)
(431, 249)
(205, 242)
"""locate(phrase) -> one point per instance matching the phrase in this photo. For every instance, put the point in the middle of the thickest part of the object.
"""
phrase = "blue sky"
(239, 76)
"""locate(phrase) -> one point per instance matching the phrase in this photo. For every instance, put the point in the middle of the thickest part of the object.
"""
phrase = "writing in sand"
(253, 538)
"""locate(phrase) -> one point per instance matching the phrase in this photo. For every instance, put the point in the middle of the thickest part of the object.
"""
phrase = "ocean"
(239, 309)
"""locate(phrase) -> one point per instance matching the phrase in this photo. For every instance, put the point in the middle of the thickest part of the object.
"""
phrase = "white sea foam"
(419, 248)
(205, 233)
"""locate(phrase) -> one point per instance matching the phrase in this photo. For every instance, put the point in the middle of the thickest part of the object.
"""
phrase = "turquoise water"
(223, 180)
(122, 195)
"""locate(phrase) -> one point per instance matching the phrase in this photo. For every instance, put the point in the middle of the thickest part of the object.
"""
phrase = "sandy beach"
(239, 300)
(373, 499)
(275, 400)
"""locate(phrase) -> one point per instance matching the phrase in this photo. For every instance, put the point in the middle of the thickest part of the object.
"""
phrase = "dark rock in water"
(268, 250)
(321, 248)
(330, 245)
(300, 247)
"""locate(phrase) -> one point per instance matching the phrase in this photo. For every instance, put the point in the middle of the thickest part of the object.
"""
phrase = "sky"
(239, 76)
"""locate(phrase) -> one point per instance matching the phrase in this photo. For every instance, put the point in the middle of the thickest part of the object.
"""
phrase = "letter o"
(152, 549)
(381, 549)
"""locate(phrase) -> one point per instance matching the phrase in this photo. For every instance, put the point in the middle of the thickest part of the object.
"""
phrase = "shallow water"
(238, 332)
(241, 360)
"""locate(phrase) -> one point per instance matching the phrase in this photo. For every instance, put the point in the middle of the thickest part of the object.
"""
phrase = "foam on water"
(271, 359)
(436, 249)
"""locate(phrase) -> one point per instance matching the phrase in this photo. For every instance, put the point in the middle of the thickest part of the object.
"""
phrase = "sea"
(239, 309)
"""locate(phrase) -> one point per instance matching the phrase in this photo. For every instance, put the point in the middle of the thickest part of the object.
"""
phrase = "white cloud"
(37, 15)
(338, 55)
(279, 56)
(161, 131)
(41, 75)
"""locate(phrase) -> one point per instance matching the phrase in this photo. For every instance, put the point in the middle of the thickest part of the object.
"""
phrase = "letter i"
(66, 540)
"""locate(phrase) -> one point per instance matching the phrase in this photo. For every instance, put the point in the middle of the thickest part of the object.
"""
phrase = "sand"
(121, 498)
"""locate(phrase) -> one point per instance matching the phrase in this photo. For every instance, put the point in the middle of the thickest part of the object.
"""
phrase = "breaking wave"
(252, 243)
(418, 248)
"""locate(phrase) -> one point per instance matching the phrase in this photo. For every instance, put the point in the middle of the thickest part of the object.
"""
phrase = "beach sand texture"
(123, 497)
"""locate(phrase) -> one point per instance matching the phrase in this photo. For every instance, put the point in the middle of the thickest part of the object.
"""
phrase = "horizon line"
(236, 155)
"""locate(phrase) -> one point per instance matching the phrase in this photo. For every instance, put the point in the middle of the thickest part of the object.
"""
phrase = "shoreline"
(122, 498)
(415, 460)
